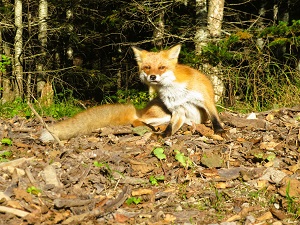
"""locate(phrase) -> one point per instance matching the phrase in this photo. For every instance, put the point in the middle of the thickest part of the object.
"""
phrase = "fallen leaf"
(120, 218)
(290, 185)
(14, 204)
(221, 185)
(261, 184)
(266, 216)
(204, 130)
(22, 194)
(169, 218)
(142, 168)
(270, 117)
(210, 172)
(141, 192)
(268, 145)
(212, 160)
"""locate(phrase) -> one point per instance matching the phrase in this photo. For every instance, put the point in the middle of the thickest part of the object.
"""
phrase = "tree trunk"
(209, 23)
(284, 16)
(159, 27)
(201, 35)
(215, 17)
(18, 70)
(262, 12)
(7, 92)
(43, 88)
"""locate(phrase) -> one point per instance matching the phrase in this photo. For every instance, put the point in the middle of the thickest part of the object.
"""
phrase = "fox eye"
(147, 67)
(161, 67)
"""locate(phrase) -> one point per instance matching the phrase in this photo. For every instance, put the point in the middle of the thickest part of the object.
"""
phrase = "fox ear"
(137, 53)
(174, 52)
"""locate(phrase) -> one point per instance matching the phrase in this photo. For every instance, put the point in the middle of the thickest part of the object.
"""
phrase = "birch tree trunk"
(41, 77)
(159, 27)
(201, 35)
(209, 23)
(262, 12)
(215, 17)
(6, 92)
(18, 70)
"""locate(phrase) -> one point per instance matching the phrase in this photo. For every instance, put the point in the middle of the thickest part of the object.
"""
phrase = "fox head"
(157, 68)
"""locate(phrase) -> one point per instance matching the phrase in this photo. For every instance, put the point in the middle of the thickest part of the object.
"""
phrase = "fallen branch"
(16, 212)
(109, 207)
(44, 124)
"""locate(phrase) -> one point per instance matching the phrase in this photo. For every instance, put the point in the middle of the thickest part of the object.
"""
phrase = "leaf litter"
(120, 175)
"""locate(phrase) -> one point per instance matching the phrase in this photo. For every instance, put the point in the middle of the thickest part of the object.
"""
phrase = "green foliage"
(292, 203)
(33, 190)
(6, 141)
(61, 109)
(56, 110)
(5, 155)
(184, 160)
(159, 153)
(155, 179)
(106, 169)
(138, 98)
(282, 34)
(5, 61)
(134, 200)
(257, 78)
(221, 51)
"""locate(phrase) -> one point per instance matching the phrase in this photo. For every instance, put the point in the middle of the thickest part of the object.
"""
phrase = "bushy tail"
(89, 120)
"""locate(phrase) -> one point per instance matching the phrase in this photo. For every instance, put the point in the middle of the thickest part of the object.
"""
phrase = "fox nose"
(152, 77)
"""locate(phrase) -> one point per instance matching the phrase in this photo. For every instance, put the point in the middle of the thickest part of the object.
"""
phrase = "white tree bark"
(215, 17)
(262, 12)
(18, 70)
(43, 13)
(201, 35)
(44, 86)
(209, 23)
(158, 33)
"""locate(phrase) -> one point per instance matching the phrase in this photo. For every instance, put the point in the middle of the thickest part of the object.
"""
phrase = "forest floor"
(120, 175)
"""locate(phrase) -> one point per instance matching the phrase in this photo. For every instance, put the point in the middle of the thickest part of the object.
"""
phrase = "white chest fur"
(178, 97)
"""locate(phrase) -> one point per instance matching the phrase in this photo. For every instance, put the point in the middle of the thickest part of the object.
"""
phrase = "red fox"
(154, 114)
(187, 93)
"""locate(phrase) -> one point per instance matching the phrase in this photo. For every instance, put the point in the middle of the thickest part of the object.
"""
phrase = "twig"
(16, 212)
(44, 124)
(84, 175)
(30, 177)
(109, 207)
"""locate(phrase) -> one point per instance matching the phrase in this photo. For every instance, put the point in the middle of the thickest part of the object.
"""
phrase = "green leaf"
(33, 190)
(153, 180)
(141, 130)
(159, 153)
(6, 141)
(180, 157)
(133, 200)
(98, 164)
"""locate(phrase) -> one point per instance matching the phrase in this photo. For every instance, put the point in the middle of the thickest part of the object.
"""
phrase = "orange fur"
(155, 113)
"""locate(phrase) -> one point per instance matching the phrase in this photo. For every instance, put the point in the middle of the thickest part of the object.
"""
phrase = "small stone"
(228, 223)
(250, 218)
(178, 209)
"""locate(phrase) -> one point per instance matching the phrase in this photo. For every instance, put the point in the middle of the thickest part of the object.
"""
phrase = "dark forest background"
(85, 53)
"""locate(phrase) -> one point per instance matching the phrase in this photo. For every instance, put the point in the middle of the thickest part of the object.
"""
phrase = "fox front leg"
(177, 120)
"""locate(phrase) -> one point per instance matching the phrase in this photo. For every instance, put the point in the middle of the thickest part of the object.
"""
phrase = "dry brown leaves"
(250, 175)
